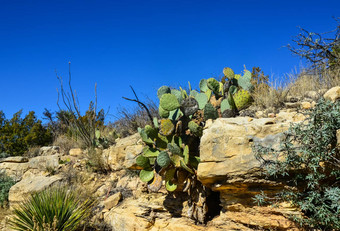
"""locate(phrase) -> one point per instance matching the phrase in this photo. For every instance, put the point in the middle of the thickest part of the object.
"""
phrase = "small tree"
(319, 50)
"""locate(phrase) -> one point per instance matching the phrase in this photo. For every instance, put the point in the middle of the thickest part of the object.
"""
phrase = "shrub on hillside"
(309, 160)
(18, 134)
(5, 184)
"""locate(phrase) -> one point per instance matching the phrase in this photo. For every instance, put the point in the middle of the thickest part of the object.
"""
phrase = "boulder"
(115, 155)
(228, 164)
(44, 163)
(332, 94)
(24, 188)
(14, 159)
(14, 170)
(112, 200)
(76, 152)
(49, 150)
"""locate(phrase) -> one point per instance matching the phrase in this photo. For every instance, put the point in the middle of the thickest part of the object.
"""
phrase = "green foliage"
(5, 184)
(18, 134)
(54, 208)
(309, 160)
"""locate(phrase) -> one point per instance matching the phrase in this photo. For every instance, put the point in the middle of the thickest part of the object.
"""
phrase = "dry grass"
(295, 85)
(128, 120)
(65, 143)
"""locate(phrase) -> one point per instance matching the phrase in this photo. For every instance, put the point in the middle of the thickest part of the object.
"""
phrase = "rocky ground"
(228, 167)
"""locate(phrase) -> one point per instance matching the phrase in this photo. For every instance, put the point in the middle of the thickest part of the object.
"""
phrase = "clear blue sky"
(145, 44)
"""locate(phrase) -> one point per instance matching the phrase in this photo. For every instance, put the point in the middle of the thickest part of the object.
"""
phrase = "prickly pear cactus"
(171, 152)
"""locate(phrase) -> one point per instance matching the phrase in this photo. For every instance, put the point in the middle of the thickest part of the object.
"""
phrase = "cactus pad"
(203, 85)
(178, 94)
(169, 102)
(189, 106)
(163, 90)
(163, 159)
(163, 113)
(210, 112)
(170, 186)
(195, 129)
(242, 99)
(174, 149)
(146, 175)
(166, 127)
(143, 161)
(228, 72)
(213, 85)
(202, 100)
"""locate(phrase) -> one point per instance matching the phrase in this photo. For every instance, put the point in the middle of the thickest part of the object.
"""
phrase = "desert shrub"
(309, 160)
(5, 184)
(55, 208)
(65, 143)
(18, 134)
(96, 160)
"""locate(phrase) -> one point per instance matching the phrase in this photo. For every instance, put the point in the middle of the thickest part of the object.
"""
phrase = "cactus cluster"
(172, 143)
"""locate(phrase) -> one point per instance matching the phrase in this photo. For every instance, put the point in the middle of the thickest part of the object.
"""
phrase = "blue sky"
(145, 44)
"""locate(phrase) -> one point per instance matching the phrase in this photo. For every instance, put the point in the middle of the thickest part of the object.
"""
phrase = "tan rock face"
(332, 94)
(24, 188)
(116, 155)
(76, 152)
(112, 200)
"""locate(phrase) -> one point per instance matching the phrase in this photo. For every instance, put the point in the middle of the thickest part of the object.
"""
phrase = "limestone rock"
(50, 150)
(116, 154)
(24, 188)
(44, 163)
(332, 94)
(306, 105)
(14, 170)
(338, 137)
(112, 200)
(76, 152)
(14, 159)
(131, 154)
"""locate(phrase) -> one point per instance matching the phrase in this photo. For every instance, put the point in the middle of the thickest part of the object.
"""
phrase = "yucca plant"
(56, 209)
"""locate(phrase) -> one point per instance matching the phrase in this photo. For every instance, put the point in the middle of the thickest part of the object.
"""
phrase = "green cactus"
(163, 159)
(170, 186)
(143, 162)
(225, 105)
(203, 85)
(208, 93)
(186, 154)
(242, 99)
(193, 93)
(175, 114)
(228, 72)
(144, 136)
(178, 94)
(237, 77)
(202, 100)
(183, 165)
(146, 175)
(169, 102)
(189, 106)
(174, 149)
(155, 122)
(163, 90)
(245, 81)
(150, 152)
(195, 129)
(170, 174)
(213, 85)
(210, 112)
(163, 113)
(151, 132)
(166, 127)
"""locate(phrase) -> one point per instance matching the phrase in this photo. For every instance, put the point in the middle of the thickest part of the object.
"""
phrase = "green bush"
(18, 134)
(52, 209)
(309, 160)
(5, 184)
